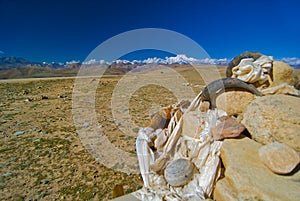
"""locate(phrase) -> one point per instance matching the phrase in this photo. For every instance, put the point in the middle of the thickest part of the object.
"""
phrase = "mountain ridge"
(17, 67)
(13, 62)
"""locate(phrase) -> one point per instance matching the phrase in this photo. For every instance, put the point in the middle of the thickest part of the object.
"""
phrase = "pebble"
(18, 133)
(85, 125)
(44, 97)
(47, 181)
(8, 174)
(62, 96)
(37, 140)
(279, 157)
(43, 132)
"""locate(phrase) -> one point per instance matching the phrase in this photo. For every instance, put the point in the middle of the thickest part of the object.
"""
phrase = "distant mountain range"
(14, 62)
(13, 67)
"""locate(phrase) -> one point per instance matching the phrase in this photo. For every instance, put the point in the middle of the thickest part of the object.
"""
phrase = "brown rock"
(161, 118)
(283, 73)
(247, 178)
(234, 102)
(279, 157)
(274, 118)
(228, 128)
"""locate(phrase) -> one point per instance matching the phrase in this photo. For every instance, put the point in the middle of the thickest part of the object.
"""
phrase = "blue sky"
(69, 30)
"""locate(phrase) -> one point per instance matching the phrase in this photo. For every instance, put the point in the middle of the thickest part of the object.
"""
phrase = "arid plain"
(41, 155)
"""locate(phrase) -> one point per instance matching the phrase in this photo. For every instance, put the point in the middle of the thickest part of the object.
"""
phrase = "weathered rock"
(247, 178)
(274, 118)
(234, 102)
(279, 157)
(282, 72)
(228, 128)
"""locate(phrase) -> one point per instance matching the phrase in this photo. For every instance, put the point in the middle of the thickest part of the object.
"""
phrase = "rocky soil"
(41, 156)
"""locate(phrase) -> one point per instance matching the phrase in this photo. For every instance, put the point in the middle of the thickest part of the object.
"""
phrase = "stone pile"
(263, 164)
(266, 165)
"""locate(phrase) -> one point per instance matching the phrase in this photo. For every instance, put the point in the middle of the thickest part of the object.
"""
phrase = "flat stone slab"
(247, 178)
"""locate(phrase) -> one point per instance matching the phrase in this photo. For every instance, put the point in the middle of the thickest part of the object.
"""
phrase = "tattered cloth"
(250, 70)
(203, 151)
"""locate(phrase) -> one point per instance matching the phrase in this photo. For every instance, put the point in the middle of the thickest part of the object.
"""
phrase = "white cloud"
(1, 52)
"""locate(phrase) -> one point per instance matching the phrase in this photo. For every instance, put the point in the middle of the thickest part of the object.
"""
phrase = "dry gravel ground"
(41, 155)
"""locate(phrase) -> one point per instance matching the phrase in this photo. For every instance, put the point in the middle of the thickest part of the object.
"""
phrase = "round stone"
(179, 172)
(279, 158)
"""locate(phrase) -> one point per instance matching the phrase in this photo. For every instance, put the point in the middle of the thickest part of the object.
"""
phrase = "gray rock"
(247, 178)
(8, 174)
(274, 118)
(18, 133)
(279, 158)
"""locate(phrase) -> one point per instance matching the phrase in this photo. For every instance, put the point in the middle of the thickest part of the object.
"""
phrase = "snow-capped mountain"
(179, 59)
(12, 67)
(13, 62)
(293, 61)
(183, 59)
